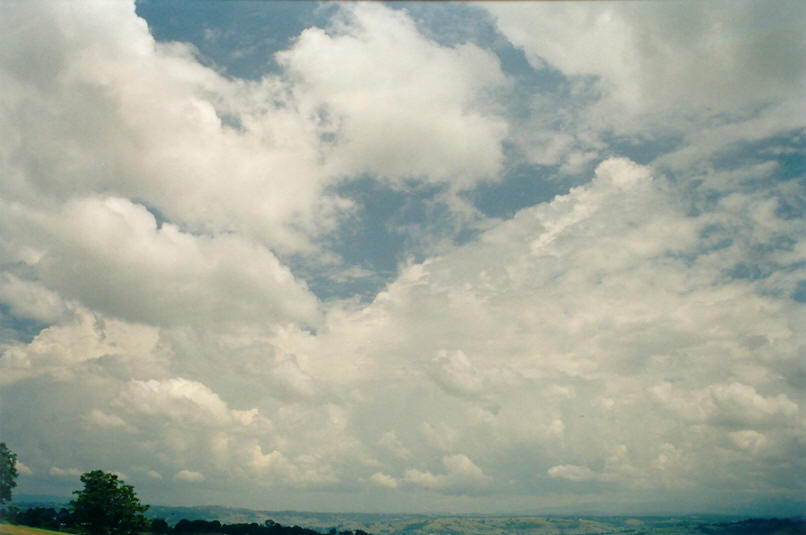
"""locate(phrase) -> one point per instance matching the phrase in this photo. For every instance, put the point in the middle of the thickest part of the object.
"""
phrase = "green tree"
(107, 505)
(159, 525)
(8, 472)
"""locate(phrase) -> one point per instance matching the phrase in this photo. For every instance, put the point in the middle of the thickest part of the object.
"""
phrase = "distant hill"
(38, 500)
(423, 524)
(426, 524)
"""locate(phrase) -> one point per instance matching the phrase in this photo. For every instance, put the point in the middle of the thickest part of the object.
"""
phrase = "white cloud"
(84, 337)
(62, 472)
(29, 299)
(22, 469)
(455, 373)
(460, 474)
(189, 476)
(304, 470)
(110, 254)
(99, 106)
(662, 54)
(391, 441)
(739, 401)
(563, 342)
(571, 472)
(583, 302)
(384, 480)
(101, 419)
(398, 104)
(701, 76)
(183, 400)
(733, 403)
(564, 314)
(749, 440)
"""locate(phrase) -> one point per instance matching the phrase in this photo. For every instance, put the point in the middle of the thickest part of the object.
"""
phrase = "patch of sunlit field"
(10, 529)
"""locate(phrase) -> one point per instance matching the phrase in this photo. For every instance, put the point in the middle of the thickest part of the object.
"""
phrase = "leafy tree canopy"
(8, 472)
(107, 505)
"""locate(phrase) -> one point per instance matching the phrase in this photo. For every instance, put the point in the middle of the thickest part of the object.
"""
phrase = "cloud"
(749, 440)
(30, 300)
(62, 472)
(731, 404)
(101, 419)
(582, 301)
(23, 469)
(396, 104)
(742, 402)
(455, 373)
(182, 400)
(110, 254)
(649, 55)
(682, 83)
(98, 105)
(189, 476)
(84, 337)
(638, 334)
(304, 470)
(460, 475)
(571, 472)
(390, 441)
(384, 480)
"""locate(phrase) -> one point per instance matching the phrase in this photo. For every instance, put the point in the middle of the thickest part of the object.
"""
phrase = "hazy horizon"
(420, 257)
(156, 510)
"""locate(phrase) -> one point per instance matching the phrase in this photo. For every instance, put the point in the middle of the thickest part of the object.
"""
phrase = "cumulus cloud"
(583, 301)
(22, 469)
(609, 338)
(651, 54)
(739, 401)
(30, 300)
(657, 76)
(302, 470)
(101, 419)
(110, 254)
(460, 473)
(384, 480)
(95, 109)
(571, 472)
(64, 472)
(85, 337)
(189, 476)
(397, 104)
(733, 403)
(181, 399)
(391, 441)
(454, 372)
(748, 440)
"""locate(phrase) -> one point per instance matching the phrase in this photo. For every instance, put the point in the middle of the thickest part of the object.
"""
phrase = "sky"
(407, 257)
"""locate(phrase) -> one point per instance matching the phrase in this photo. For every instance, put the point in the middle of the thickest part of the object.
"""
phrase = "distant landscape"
(435, 524)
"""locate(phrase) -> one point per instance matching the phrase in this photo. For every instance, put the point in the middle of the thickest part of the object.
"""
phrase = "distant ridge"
(44, 499)
(468, 524)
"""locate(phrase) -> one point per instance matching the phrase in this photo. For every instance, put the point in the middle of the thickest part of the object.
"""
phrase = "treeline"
(269, 527)
(63, 520)
(40, 517)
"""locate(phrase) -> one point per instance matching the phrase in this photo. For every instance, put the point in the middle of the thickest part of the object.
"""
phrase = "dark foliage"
(8, 472)
(42, 517)
(269, 527)
(107, 505)
(159, 525)
(755, 526)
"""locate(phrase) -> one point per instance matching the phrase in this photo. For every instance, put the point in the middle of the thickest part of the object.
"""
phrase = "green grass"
(11, 529)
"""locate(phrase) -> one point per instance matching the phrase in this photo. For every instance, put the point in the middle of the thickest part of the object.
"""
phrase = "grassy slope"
(9, 529)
